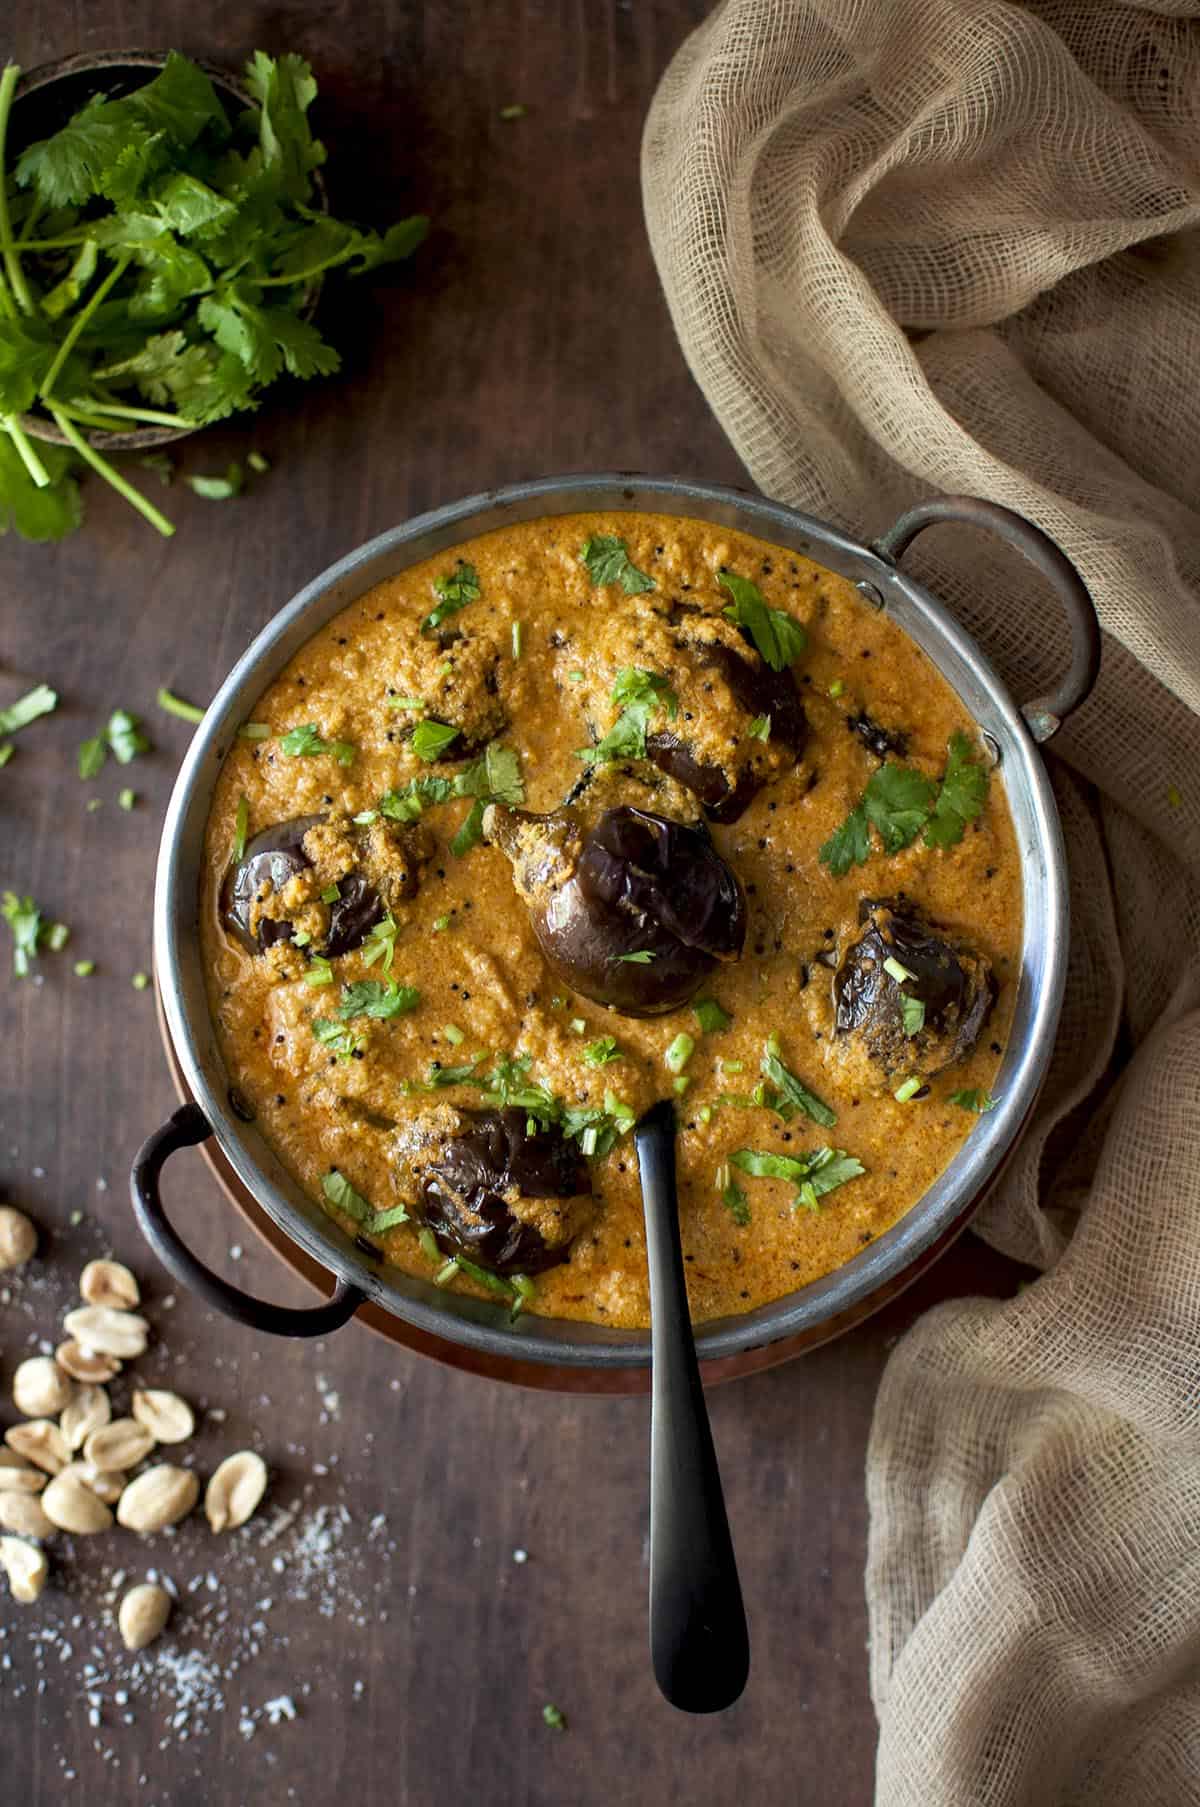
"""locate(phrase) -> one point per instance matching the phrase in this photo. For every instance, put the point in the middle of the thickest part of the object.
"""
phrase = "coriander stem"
(77, 325)
(274, 282)
(101, 465)
(97, 405)
(12, 261)
(29, 457)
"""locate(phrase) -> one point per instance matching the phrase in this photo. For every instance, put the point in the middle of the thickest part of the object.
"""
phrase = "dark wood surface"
(529, 337)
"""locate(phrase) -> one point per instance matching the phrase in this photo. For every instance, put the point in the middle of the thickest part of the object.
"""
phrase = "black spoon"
(698, 1642)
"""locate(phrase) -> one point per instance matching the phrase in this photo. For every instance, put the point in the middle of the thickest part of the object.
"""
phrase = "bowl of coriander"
(164, 234)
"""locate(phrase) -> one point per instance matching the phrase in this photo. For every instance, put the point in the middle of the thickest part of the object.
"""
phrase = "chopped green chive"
(258, 463)
(836, 688)
(56, 937)
(641, 956)
(515, 111)
(175, 705)
(427, 1243)
(898, 971)
(908, 1089)
(330, 894)
(126, 798)
(445, 1274)
(554, 1717)
(680, 1084)
(301, 938)
(680, 1052)
(577, 1026)
(6, 752)
(710, 1016)
(759, 728)
(732, 1066)
(320, 972)
(416, 703)
(84, 969)
(140, 981)
(576, 677)
(453, 1034)
(440, 923)
(254, 731)
(93, 804)
(516, 639)
(705, 1113)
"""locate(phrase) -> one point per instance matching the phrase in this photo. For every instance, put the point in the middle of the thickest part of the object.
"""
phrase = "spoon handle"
(698, 1641)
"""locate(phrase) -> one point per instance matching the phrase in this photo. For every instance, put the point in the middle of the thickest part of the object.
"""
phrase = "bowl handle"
(1045, 715)
(184, 1129)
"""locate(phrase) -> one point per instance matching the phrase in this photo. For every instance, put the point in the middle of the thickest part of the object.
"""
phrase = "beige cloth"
(913, 245)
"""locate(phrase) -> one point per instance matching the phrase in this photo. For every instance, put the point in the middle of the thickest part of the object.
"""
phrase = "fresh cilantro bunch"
(156, 265)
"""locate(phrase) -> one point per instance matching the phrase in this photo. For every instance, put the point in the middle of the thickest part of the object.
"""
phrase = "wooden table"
(529, 337)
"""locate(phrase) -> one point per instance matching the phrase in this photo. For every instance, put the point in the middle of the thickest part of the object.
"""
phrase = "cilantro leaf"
(607, 561)
(640, 692)
(599, 1053)
(407, 805)
(67, 169)
(373, 998)
(454, 592)
(961, 797)
(305, 742)
(778, 637)
(285, 88)
(343, 1197)
(738, 1205)
(24, 919)
(38, 514)
(38, 701)
(469, 833)
(818, 1172)
(431, 739)
(342, 1043)
(495, 776)
(898, 800)
(848, 845)
(793, 1095)
(972, 1099)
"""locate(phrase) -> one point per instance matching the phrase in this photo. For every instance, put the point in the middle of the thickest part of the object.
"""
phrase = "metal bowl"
(802, 1318)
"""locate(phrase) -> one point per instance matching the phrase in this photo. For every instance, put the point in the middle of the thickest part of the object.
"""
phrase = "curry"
(592, 811)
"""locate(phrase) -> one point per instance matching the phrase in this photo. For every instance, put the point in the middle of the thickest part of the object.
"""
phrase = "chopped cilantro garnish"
(175, 705)
(495, 777)
(961, 798)
(641, 956)
(777, 636)
(342, 1043)
(124, 736)
(900, 801)
(219, 489)
(454, 592)
(92, 754)
(737, 1203)
(38, 701)
(240, 825)
(600, 1053)
(912, 1012)
(759, 728)
(607, 561)
(637, 693)
(386, 1220)
(381, 944)
(813, 1174)
(469, 832)
(343, 1197)
(29, 932)
(306, 742)
(407, 805)
(431, 739)
(793, 1095)
(973, 1099)
(439, 1076)
(372, 997)
(710, 1016)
